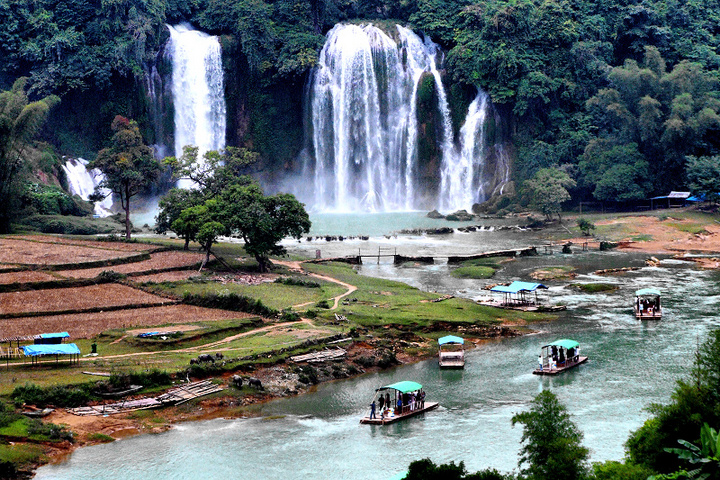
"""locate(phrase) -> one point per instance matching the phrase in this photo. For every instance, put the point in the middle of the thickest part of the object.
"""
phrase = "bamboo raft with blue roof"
(559, 356)
(401, 407)
(451, 352)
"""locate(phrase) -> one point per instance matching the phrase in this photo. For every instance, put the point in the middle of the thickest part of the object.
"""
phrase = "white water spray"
(462, 182)
(83, 182)
(364, 119)
(363, 105)
(198, 91)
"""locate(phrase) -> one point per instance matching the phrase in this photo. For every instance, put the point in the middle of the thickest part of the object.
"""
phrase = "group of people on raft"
(558, 357)
(405, 403)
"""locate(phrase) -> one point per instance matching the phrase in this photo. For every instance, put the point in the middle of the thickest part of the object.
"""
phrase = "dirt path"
(296, 266)
(208, 346)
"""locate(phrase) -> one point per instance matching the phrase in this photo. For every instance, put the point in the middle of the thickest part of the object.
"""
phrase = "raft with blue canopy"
(451, 352)
(558, 356)
(407, 400)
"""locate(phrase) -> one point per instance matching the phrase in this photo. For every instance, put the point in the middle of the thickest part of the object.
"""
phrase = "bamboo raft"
(560, 368)
(188, 392)
(320, 356)
(115, 408)
(411, 413)
(523, 308)
(176, 396)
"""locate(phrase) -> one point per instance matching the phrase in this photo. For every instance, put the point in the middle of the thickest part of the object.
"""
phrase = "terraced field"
(93, 297)
(159, 261)
(88, 325)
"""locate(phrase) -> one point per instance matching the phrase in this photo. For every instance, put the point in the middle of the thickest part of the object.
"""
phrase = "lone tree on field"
(20, 120)
(552, 448)
(128, 164)
(262, 221)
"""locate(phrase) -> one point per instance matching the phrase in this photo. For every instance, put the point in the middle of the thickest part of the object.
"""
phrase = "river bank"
(279, 381)
(229, 406)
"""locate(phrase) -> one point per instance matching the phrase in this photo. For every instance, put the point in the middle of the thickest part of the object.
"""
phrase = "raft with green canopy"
(558, 356)
(647, 304)
(451, 353)
(407, 400)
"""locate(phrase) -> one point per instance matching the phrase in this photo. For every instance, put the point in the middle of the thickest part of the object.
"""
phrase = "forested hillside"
(615, 92)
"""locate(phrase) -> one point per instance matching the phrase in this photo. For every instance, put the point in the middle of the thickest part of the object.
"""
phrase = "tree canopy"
(224, 202)
(622, 93)
(20, 121)
(128, 165)
(552, 444)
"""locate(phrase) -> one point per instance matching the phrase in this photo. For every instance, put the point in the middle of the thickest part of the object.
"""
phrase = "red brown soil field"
(119, 246)
(79, 298)
(158, 261)
(25, 277)
(174, 276)
(13, 251)
(87, 325)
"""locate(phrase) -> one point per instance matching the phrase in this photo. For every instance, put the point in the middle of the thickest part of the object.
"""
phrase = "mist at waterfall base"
(317, 435)
(362, 148)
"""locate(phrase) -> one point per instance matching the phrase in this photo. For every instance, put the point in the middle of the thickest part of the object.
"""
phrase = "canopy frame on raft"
(559, 356)
(647, 304)
(393, 414)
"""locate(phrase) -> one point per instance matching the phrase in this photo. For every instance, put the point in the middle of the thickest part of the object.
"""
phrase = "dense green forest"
(616, 93)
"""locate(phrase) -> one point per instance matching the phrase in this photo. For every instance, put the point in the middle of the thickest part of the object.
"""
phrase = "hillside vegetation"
(616, 93)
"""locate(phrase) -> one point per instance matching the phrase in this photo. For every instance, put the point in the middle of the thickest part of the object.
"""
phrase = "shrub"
(322, 304)
(110, 276)
(297, 282)
(585, 226)
(229, 301)
(152, 378)
(57, 395)
(289, 316)
(49, 430)
(100, 437)
(308, 375)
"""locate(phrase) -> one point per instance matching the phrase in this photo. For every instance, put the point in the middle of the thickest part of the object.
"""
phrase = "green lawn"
(274, 295)
(381, 302)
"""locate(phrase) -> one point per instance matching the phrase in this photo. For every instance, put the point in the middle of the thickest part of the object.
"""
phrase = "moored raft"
(451, 352)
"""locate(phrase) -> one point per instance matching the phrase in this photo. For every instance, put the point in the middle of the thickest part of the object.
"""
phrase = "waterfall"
(363, 107)
(83, 182)
(462, 182)
(365, 131)
(198, 92)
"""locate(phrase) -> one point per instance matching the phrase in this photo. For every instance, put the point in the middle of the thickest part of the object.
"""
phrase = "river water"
(632, 364)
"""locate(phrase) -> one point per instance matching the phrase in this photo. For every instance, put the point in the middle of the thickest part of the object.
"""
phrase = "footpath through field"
(296, 266)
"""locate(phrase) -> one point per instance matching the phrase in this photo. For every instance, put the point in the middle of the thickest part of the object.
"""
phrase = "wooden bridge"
(400, 259)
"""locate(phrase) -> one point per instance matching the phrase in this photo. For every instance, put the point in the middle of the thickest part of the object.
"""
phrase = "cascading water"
(364, 118)
(198, 92)
(365, 127)
(462, 182)
(83, 182)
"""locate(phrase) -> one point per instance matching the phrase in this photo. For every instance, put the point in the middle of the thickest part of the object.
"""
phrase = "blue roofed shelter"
(36, 352)
(51, 338)
(517, 293)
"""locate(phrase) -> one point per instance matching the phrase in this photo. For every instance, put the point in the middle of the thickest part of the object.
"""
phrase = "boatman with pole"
(372, 410)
